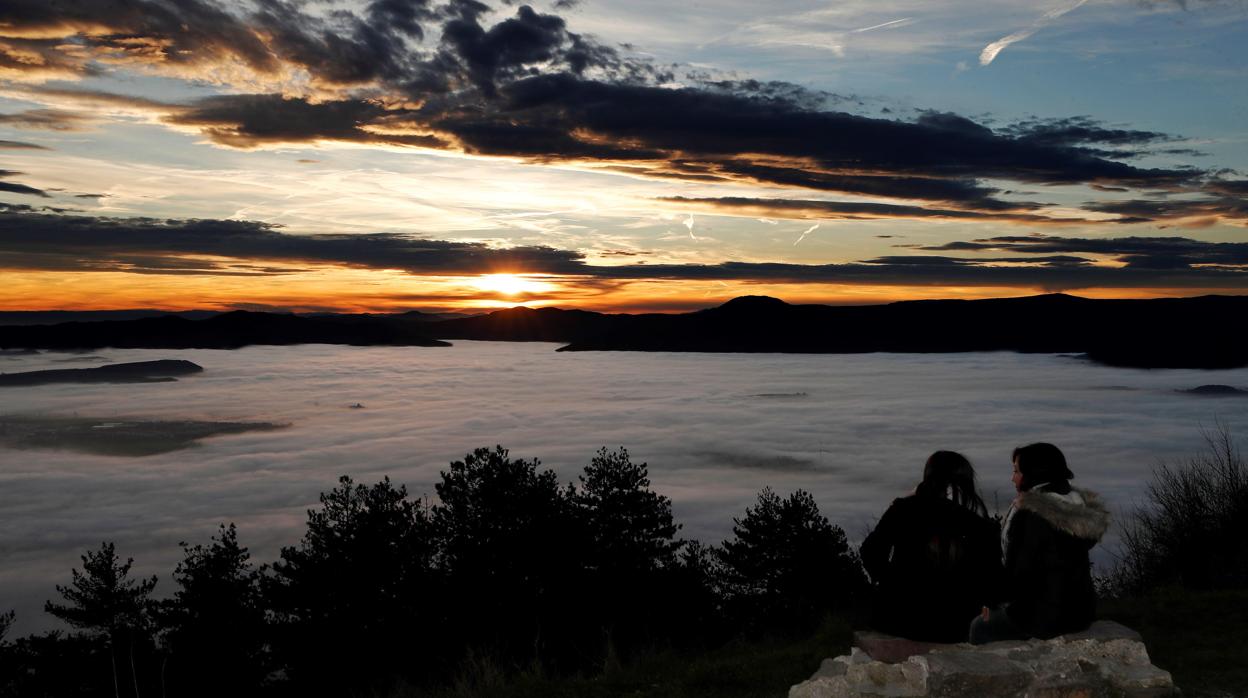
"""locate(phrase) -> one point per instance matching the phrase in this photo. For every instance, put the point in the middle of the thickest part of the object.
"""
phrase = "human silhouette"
(935, 556)
(1047, 534)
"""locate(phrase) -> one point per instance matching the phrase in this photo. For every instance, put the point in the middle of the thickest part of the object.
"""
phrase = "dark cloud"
(527, 86)
(15, 188)
(928, 260)
(1136, 252)
(250, 120)
(1194, 211)
(35, 241)
(46, 119)
(854, 210)
(18, 145)
(1084, 131)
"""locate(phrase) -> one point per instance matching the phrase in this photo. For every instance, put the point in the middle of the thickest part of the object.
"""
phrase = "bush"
(1190, 532)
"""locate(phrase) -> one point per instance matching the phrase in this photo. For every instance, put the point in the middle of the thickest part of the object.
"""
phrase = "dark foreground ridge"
(1156, 333)
(1198, 332)
(161, 371)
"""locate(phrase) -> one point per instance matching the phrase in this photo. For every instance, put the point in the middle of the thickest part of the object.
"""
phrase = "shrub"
(1190, 531)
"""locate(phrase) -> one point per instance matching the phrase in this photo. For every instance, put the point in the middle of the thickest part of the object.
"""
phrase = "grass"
(741, 669)
(1199, 637)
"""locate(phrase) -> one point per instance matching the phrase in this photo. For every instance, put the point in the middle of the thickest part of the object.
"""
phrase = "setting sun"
(509, 284)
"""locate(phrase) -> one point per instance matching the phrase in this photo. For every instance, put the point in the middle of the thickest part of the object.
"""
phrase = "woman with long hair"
(935, 556)
(1048, 533)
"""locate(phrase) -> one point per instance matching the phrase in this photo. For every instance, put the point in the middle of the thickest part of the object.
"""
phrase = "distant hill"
(53, 317)
(223, 331)
(1201, 332)
(1154, 333)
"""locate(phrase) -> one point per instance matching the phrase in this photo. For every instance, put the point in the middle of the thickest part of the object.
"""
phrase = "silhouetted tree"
(6, 622)
(692, 600)
(785, 566)
(103, 599)
(214, 624)
(57, 665)
(511, 548)
(358, 591)
(631, 543)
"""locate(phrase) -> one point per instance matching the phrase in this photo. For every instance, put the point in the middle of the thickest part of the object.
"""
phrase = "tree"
(6, 622)
(512, 550)
(214, 624)
(630, 546)
(786, 566)
(356, 590)
(104, 600)
(630, 526)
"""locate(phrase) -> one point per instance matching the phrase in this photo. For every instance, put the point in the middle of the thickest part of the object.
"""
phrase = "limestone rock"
(1107, 660)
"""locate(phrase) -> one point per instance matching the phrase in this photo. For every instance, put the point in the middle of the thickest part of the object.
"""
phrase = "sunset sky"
(621, 156)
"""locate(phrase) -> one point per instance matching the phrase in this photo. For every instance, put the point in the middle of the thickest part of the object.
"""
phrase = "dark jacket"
(1048, 575)
(935, 565)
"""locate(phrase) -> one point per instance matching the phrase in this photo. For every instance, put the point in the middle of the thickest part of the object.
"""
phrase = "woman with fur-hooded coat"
(1047, 535)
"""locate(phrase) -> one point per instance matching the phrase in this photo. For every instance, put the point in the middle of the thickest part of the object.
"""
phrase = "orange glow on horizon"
(361, 290)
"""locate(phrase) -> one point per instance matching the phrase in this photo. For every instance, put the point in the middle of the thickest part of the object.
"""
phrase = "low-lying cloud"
(856, 439)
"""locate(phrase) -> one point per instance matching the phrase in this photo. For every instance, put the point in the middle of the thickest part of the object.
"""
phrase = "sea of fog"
(853, 430)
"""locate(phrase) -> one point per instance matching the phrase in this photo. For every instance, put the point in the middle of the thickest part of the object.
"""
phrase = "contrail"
(991, 50)
(689, 225)
(808, 231)
(881, 26)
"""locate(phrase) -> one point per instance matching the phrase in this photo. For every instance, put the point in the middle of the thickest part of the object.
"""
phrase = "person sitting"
(935, 556)
(1048, 532)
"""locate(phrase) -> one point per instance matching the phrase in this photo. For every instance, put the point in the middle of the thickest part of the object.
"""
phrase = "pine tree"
(786, 565)
(104, 600)
(214, 624)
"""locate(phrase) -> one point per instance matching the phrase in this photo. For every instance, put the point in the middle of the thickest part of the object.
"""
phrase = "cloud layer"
(853, 429)
(35, 241)
(461, 76)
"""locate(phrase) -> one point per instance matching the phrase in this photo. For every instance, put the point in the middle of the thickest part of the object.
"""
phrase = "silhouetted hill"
(1155, 333)
(53, 317)
(135, 372)
(225, 331)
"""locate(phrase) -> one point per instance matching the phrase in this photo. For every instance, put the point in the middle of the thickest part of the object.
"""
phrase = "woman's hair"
(1043, 463)
(950, 475)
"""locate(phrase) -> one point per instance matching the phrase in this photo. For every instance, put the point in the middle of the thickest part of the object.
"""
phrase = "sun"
(509, 284)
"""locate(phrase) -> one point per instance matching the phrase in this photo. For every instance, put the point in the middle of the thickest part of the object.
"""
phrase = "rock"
(1108, 660)
(890, 648)
(966, 672)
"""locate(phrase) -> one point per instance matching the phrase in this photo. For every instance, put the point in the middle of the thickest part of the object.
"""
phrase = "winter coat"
(1048, 574)
(935, 565)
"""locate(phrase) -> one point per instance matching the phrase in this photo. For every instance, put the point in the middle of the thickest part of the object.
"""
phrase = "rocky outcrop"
(1106, 661)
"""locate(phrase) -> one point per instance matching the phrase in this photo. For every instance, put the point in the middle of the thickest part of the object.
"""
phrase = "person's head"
(948, 474)
(1040, 463)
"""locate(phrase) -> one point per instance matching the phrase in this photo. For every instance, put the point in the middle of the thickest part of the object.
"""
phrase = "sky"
(382, 155)
(852, 429)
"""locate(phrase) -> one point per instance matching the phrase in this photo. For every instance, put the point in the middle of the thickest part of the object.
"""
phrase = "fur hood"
(1081, 513)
